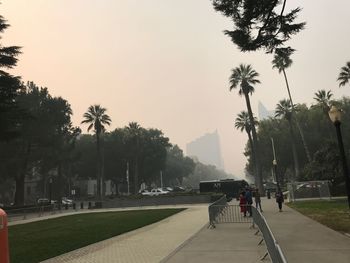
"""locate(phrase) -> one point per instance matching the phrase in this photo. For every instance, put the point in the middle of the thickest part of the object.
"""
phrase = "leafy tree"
(42, 133)
(282, 61)
(243, 77)
(177, 166)
(284, 110)
(9, 88)
(344, 75)
(259, 24)
(97, 118)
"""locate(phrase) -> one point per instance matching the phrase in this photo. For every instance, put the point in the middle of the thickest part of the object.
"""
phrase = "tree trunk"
(253, 153)
(294, 151)
(258, 170)
(296, 120)
(103, 186)
(98, 177)
(20, 178)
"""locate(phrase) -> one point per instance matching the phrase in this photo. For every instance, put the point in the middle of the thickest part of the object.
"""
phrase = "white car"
(145, 192)
(66, 201)
(158, 191)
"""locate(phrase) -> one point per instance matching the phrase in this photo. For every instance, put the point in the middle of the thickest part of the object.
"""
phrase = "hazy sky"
(166, 63)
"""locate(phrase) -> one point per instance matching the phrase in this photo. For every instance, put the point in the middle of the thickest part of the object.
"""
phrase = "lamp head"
(335, 114)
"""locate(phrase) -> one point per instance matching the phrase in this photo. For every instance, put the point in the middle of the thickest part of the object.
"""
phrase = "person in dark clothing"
(249, 198)
(279, 199)
(257, 200)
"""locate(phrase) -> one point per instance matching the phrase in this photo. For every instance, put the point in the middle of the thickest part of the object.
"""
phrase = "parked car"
(179, 189)
(167, 189)
(66, 201)
(145, 192)
(43, 201)
(158, 191)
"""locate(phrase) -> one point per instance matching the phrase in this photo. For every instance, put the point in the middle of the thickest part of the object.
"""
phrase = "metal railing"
(232, 214)
(273, 248)
(215, 209)
(36, 211)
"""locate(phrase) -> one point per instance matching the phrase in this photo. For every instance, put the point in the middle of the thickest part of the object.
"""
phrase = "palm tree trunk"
(98, 178)
(253, 153)
(258, 171)
(136, 174)
(296, 120)
(294, 150)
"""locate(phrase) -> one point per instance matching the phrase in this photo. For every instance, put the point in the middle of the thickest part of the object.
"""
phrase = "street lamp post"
(274, 163)
(335, 115)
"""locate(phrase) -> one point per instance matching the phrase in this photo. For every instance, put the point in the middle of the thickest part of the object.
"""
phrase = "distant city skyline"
(207, 149)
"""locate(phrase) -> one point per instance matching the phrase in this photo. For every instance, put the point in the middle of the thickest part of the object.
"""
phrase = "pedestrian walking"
(257, 198)
(249, 198)
(279, 199)
(243, 203)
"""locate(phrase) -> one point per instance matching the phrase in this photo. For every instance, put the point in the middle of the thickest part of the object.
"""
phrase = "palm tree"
(344, 74)
(243, 77)
(284, 109)
(243, 123)
(97, 119)
(323, 99)
(281, 61)
(134, 134)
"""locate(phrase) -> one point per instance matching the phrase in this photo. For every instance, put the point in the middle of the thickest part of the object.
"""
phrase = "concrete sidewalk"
(148, 244)
(303, 239)
(227, 243)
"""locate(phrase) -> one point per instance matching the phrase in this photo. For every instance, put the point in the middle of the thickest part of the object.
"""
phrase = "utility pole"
(161, 179)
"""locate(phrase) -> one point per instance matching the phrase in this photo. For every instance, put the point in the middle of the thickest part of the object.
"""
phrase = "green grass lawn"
(37, 241)
(334, 214)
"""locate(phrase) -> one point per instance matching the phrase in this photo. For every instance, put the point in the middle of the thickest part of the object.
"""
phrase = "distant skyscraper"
(263, 112)
(206, 149)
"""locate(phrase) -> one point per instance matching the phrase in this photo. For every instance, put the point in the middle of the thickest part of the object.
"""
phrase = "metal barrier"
(232, 214)
(273, 249)
(32, 212)
(215, 209)
(221, 212)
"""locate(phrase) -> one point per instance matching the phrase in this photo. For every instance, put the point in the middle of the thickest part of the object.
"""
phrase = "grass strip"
(37, 241)
(334, 213)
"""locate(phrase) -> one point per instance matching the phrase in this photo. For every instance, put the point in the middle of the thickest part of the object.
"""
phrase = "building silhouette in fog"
(206, 149)
(264, 113)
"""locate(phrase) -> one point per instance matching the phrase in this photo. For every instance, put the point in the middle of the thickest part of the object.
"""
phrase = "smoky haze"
(165, 63)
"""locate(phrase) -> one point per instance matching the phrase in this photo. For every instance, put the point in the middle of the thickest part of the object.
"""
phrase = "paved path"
(303, 239)
(148, 244)
(227, 243)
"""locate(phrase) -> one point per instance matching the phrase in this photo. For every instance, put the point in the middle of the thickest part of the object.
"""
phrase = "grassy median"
(334, 213)
(34, 242)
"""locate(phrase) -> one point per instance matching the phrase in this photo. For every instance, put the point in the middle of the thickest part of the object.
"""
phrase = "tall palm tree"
(284, 110)
(344, 75)
(243, 123)
(282, 61)
(134, 134)
(97, 118)
(323, 99)
(243, 77)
